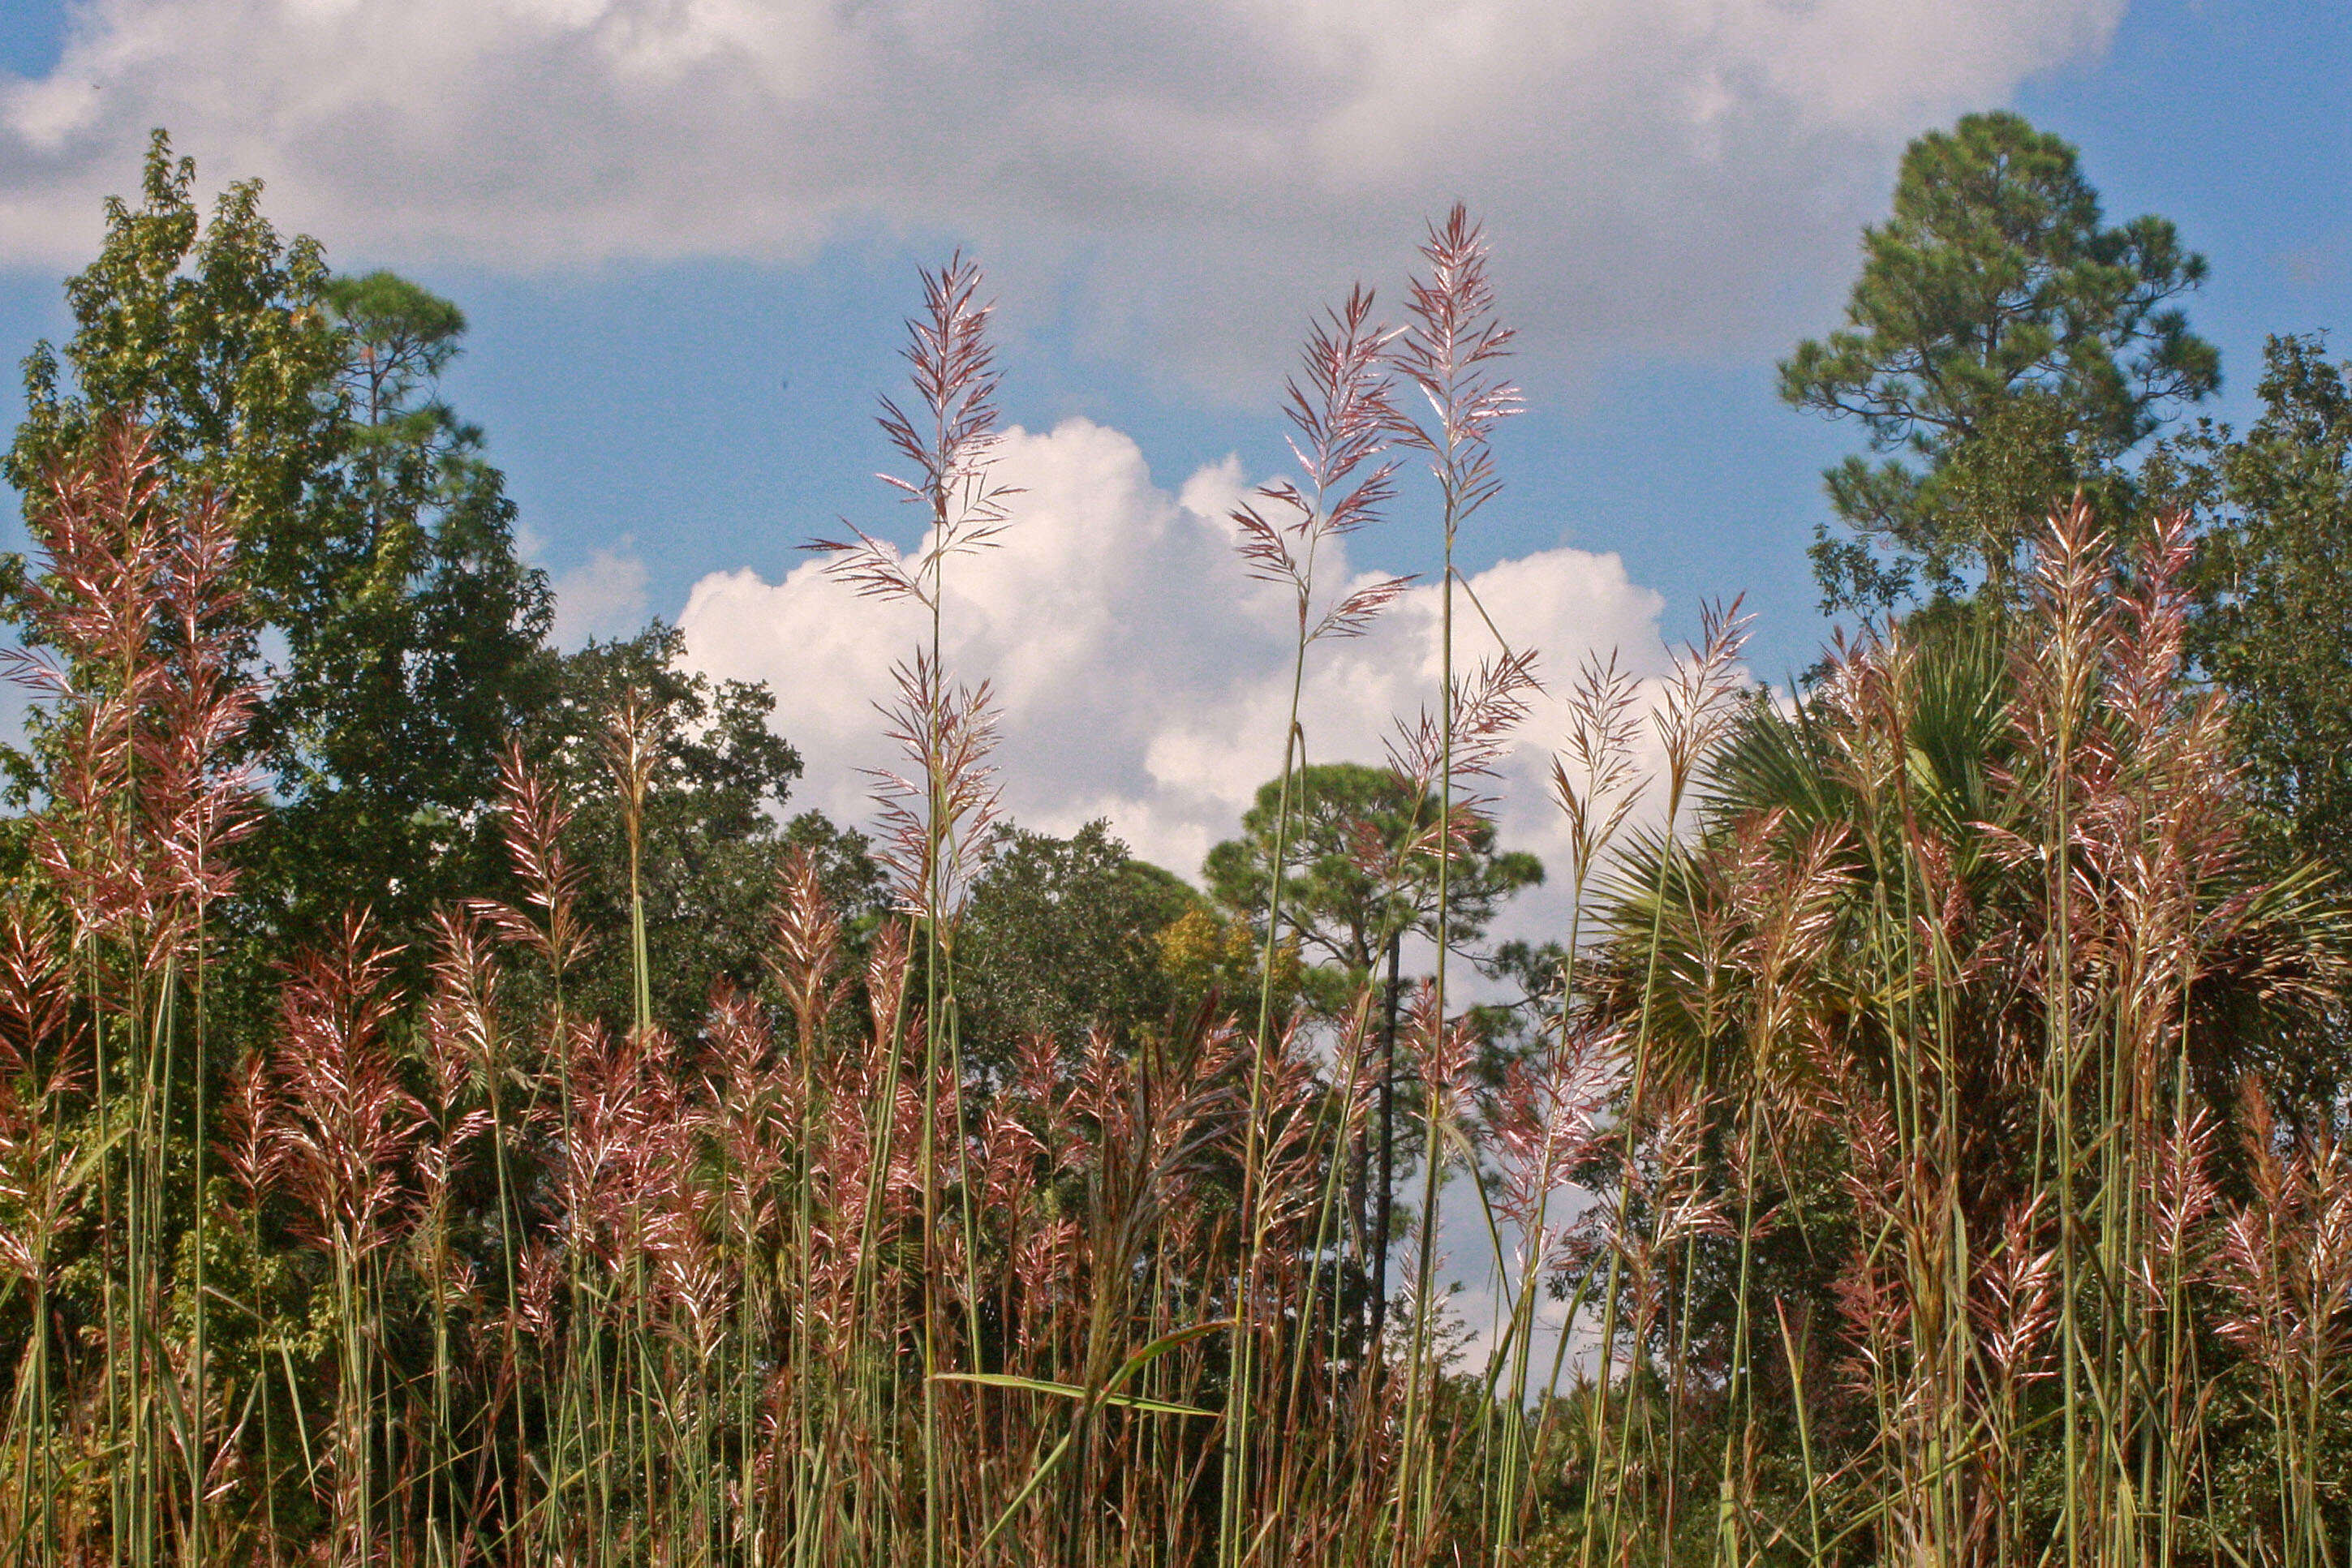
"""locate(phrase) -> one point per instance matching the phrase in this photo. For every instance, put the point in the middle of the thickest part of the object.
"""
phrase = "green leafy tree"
(2274, 628)
(216, 335)
(713, 833)
(1214, 961)
(415, 650)
(1061, 936)
(396, 630)
(1357, 871)
(2008, 345)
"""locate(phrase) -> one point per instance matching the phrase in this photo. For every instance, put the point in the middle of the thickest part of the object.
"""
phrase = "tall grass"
(1896, 1173)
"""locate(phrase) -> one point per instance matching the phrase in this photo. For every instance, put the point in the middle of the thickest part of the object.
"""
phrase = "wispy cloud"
(1653, 167)
(603, 596)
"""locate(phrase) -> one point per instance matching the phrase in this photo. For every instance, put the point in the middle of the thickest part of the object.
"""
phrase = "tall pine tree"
(2006, 346)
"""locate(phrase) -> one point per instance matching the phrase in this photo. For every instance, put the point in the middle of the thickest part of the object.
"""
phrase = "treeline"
(397, 648)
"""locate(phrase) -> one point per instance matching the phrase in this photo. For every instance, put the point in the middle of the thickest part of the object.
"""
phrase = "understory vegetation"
(1927, 1145)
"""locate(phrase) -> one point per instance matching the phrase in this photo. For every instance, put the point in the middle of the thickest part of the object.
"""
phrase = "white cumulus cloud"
(1142, 675)
(1200, 169)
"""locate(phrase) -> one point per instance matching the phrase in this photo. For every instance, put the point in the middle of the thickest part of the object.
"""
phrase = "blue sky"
(681, 313)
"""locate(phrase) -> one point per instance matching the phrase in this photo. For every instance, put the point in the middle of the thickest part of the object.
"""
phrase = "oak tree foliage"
(2275, 625)
(1062, 935)
(713, 830)
(393, 632)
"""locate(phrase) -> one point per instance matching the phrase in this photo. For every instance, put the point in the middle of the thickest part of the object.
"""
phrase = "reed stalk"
(1903, 1140)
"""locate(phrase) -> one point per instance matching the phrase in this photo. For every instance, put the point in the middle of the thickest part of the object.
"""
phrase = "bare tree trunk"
(1387, 1151)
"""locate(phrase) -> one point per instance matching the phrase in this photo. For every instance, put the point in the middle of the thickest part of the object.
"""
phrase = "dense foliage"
(393, 634)
(2276, 627)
